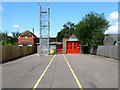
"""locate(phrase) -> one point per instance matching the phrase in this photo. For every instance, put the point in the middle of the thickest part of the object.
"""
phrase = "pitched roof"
(114, 36)
(73, 36)
(27, 33)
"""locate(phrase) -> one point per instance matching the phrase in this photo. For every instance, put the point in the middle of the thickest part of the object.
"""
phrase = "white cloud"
(113, 18)
(10, 34)
(16, 26)
(112, 29)
(1, 8)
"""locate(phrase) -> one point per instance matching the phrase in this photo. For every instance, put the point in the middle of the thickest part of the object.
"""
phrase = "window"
(25, 37)
(67, 47)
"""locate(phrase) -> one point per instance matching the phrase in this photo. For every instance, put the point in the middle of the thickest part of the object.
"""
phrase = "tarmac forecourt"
(40, 78)
(44, 72)
(74, 75)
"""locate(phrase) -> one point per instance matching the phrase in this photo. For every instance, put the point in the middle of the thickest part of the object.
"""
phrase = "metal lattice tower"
(44, 29)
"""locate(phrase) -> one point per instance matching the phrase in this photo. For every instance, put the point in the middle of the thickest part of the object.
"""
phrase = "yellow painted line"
(75, 77)
(40, 78)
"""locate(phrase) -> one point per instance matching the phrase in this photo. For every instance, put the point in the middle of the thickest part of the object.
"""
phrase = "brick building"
(71, 45)
(27, 38)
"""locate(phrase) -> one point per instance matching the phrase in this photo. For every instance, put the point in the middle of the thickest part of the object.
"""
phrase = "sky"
(21, 16)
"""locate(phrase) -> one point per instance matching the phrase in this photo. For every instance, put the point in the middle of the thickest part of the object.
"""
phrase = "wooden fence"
(11, 52)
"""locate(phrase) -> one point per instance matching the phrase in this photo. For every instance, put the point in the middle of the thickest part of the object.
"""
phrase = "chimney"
(33, 30)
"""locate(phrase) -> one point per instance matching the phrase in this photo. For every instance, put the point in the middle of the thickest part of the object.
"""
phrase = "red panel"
(59, 49)
(73, 47)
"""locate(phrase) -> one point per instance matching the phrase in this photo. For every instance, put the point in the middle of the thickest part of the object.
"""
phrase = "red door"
(73, 47)
(60, 49)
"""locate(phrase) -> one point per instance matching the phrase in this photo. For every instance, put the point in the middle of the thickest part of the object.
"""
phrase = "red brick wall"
(30, 39)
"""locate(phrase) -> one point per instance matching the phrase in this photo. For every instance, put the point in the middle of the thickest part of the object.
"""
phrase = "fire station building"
(71, 45)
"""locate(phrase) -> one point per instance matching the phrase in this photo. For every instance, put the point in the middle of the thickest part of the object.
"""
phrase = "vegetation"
(5, 39)
(66, 32)
(15, 36)
(90, 30)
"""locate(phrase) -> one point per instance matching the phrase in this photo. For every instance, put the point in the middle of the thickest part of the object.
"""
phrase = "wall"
(0, 53)
(64, 45)
(108, 51)
(29, 39)
(11, 52)
(38, 49)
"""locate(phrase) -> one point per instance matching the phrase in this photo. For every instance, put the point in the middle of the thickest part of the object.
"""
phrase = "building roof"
(111, 39)
(114, 37)
(73, 36)
(27, 33)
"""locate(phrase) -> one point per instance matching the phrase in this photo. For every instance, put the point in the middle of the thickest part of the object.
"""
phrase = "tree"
(91, 28)
(9, 40)
(66, 32)
(15, 36)
(5, 39)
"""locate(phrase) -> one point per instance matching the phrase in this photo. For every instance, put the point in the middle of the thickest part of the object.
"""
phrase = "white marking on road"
(74, 75)
(40, 78)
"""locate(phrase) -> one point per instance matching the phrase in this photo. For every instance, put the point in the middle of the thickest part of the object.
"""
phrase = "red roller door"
(59, 49)
(73, 47)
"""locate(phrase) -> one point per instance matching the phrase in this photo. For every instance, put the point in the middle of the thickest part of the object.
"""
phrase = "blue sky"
(20, 16)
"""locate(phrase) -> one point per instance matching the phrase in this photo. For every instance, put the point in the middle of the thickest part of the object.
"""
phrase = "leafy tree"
(91, 28)
(66, 32)
(5, 39)
(9, 40)
(15, 36)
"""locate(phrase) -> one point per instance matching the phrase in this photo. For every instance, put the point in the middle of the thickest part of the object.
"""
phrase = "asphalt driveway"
(61, 71)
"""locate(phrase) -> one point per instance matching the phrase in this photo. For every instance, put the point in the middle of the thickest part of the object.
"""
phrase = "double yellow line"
(40, 78)
(74, 75)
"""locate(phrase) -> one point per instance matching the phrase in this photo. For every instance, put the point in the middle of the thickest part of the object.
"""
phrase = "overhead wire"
(11, 20)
